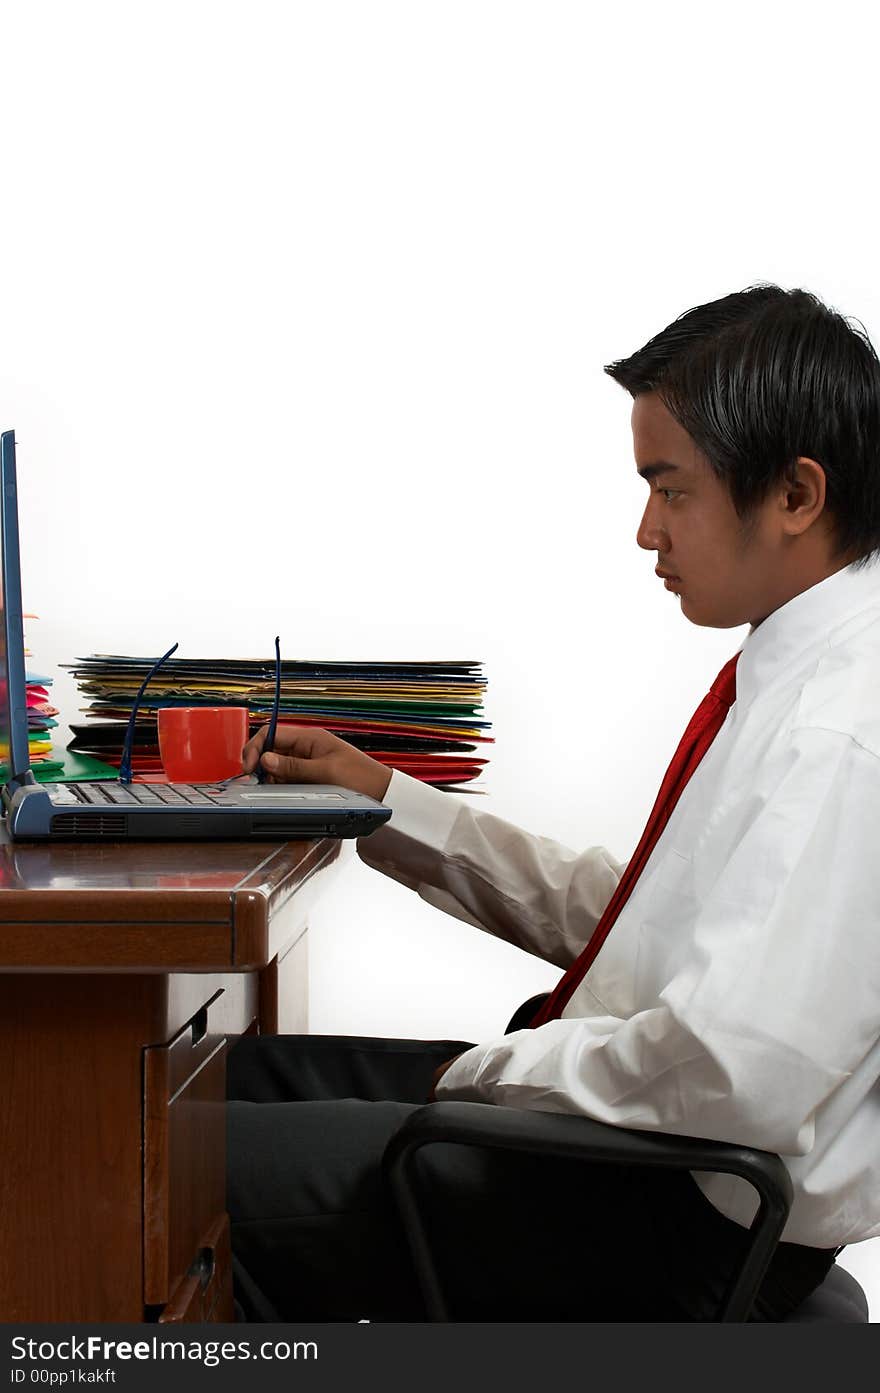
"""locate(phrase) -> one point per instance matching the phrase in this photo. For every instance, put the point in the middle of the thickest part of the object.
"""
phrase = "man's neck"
(810, 571)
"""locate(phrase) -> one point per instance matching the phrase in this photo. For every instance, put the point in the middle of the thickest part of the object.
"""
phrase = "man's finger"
(288, 769)
(251, 753)
(301, 742)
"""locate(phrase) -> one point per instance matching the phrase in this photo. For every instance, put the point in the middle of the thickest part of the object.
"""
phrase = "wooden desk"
(124, 969)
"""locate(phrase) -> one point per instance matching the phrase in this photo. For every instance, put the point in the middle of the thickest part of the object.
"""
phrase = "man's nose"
(652, 535)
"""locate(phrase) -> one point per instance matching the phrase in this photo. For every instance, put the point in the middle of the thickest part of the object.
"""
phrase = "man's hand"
(437, 1076)
(305, 755)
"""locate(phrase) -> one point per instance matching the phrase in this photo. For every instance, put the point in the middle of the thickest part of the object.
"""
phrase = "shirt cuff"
(458, 1080)
(420, 811)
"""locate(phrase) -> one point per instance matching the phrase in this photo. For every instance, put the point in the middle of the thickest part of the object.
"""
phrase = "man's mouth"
(671, 581)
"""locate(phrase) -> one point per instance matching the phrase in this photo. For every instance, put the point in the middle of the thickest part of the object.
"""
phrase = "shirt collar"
(804, 626)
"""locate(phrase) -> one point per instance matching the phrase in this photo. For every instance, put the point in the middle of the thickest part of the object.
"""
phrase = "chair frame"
(584, 1139)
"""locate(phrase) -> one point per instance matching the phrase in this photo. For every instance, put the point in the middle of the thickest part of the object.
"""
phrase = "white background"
(303, 312)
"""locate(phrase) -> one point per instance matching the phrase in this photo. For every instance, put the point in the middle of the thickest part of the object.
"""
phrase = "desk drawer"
(205, 1293)
(185, 1137)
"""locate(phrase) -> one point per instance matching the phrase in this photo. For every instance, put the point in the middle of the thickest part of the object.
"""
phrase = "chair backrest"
(839, 1300)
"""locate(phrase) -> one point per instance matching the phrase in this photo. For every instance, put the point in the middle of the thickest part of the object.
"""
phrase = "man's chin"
(705, 617)
(694, 614)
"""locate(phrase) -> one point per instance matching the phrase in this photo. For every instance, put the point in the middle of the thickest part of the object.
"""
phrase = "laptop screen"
(14, 753)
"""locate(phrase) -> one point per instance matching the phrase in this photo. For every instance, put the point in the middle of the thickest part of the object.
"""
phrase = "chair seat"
(838, 1301)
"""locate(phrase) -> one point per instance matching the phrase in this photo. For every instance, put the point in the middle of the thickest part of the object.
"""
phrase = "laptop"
(119, 811)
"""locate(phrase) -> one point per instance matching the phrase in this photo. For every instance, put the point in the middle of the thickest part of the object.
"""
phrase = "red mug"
(201, 744)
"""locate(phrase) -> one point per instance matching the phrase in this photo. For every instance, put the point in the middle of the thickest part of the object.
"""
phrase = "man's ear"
(802, 495)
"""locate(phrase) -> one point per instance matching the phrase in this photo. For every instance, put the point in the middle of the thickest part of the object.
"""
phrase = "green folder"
(71, 768)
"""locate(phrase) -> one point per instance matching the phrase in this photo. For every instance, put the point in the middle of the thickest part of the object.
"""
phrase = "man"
(736, 995)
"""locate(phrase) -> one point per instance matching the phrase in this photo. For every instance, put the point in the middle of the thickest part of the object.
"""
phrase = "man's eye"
(669, 493)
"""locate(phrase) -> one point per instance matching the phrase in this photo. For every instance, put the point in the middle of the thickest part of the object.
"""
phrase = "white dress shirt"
(737, 997)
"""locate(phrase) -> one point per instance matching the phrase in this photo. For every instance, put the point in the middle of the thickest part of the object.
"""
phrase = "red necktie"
(704, 725)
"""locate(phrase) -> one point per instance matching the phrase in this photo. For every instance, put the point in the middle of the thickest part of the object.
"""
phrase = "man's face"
(725, 571)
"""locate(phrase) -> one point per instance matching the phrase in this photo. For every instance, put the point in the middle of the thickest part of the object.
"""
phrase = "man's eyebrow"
(651, 471)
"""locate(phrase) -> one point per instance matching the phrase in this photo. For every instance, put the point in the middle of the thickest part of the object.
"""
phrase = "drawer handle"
(199, 1025)
(203, 1266)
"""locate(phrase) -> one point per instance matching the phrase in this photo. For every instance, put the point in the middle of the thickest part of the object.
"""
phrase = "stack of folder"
(48, 764)
(41, 718)
(422, 718)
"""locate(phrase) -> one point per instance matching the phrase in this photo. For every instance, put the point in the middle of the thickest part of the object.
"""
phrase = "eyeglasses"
(128, 743)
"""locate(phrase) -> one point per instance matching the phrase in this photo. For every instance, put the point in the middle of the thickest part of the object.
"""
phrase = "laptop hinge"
(15, 783)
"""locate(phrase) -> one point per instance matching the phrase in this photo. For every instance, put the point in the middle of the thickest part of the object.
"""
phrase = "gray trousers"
(315, 1236)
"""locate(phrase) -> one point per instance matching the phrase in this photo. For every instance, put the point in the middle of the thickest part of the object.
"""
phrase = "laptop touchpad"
(285, 793)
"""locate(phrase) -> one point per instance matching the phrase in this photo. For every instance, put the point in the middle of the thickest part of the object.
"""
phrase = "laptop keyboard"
(147, 795)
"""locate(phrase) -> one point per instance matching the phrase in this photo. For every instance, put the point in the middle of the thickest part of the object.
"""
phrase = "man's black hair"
(763, 376)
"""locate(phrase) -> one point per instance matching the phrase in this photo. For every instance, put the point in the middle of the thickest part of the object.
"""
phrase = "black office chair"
(839, 1299)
